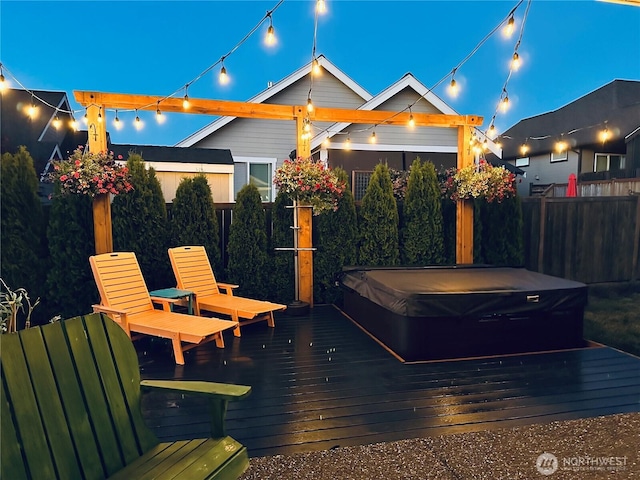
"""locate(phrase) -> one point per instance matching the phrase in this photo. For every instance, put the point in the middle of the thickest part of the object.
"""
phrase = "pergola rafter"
(97, 102)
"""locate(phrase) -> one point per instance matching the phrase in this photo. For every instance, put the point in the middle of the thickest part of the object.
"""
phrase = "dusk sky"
(568, 48)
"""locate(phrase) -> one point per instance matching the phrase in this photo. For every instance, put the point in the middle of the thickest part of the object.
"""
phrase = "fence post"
(543, 222)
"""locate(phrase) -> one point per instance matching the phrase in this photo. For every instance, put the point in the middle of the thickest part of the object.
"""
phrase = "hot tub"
(431, 313)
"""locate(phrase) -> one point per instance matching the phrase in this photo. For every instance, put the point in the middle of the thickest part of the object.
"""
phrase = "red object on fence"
(572, 188)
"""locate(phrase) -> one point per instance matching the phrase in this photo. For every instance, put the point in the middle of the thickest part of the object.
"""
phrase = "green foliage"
(378, 222)
(248, 259)
(70, 284)
(22, 261)
(140, 225)
(499, 239)
(282, 278)
(336, 235)
(194, 220)
(422, 233)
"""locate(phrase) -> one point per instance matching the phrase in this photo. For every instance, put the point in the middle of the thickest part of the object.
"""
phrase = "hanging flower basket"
(92, 174)
(493, 184)
(310, 183)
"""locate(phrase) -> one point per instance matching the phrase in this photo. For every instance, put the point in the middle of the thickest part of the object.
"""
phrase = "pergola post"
(464, 208)
(97, 131)
(304, 216)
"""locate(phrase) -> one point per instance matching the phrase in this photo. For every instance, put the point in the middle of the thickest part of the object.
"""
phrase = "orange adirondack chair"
(125, 298)
(193, 272)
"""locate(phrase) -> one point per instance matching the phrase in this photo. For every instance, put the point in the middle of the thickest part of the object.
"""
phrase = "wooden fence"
(589, 239)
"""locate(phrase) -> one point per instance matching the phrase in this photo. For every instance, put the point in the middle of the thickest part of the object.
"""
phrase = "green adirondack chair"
(70, 409)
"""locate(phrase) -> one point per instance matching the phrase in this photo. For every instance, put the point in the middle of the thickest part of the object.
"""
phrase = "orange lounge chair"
(193, 272)
(125, 298)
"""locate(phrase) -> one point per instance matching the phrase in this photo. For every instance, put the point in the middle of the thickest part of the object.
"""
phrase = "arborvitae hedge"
(70, 284)
(499, 241)
(336, 235)
(378, 222)
(422, 232)
(140, 225)
(194, 220)
(248, 259)
(23, 261)
(282, 278)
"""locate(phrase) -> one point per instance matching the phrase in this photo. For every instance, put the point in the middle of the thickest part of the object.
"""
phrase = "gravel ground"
(586, 449)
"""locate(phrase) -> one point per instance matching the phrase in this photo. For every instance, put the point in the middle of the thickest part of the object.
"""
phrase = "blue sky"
(569, 48)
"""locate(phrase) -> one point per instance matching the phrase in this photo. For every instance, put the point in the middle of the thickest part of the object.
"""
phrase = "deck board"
(320, 382)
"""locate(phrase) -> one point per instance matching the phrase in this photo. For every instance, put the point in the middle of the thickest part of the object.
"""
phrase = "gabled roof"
(151, 153)
(273, 90)
(615, 105)
(407, 81)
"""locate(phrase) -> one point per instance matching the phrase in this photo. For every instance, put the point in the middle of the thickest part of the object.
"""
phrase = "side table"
(176, 294)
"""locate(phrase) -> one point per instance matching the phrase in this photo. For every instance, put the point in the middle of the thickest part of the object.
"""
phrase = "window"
(559, 156)
(604, 162)
(259, 172)
(522, 162)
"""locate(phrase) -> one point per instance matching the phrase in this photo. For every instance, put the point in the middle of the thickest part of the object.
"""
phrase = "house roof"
(615, 105)
(273, 90)
(407, 81)
(151, 153)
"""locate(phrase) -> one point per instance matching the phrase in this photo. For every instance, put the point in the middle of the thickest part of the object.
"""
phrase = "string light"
(347, 143)
(372, 138)
(561, 146)
(412, 122)
(100, 115)
(453, 87)
(315, 67)
(85, 119)
(504, 104)
(159, 117)
(524, 149)
(73, 123)
(32, 109)
(492, 132)
(137, 122)
(270, 39)
(185, 100)
(309, 105)
(509, 27)
(321, 6)
(515, 61)
(116, 122)
(327, 142)
(605, 134)
(56, 122)
(223, 78)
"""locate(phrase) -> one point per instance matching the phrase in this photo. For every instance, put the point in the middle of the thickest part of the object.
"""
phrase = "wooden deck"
(320, 382)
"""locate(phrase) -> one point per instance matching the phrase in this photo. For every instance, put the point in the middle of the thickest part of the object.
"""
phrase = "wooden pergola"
(98, 102)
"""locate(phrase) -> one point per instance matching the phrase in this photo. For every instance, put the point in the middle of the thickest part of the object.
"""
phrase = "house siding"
(541, 171)
(249, 137)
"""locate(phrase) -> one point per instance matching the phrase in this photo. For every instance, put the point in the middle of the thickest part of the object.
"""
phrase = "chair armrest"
(227, 287)
(219, 395)
(105, 309)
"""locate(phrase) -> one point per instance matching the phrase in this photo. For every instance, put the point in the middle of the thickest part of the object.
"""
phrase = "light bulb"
(515, 61)
(412, 122)
(498, 145)
(605, 135)
(492, 131)
(85, 119)
(73, 124)
(270, 39)
(309, 105)
(315, 69)
(504, 105)
(509, 27)
(224, 78)
(347, 144)
(485, 145)
(321, 6)
(185, 102)
(100, 115)
(56, 122)
(372, 138)
(137, 122)
(307, 126)
(116, 122)
(3, 83)
(327, 141)
(524, 148)
(561, 146)
(32, 111)
(160, 118)
(453, 88)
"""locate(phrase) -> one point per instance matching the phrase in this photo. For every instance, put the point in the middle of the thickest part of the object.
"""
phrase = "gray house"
(259, 146)
(600, 134)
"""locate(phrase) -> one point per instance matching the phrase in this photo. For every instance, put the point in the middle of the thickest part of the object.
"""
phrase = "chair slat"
(11, 462)
(75, 407)
(20, 394)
